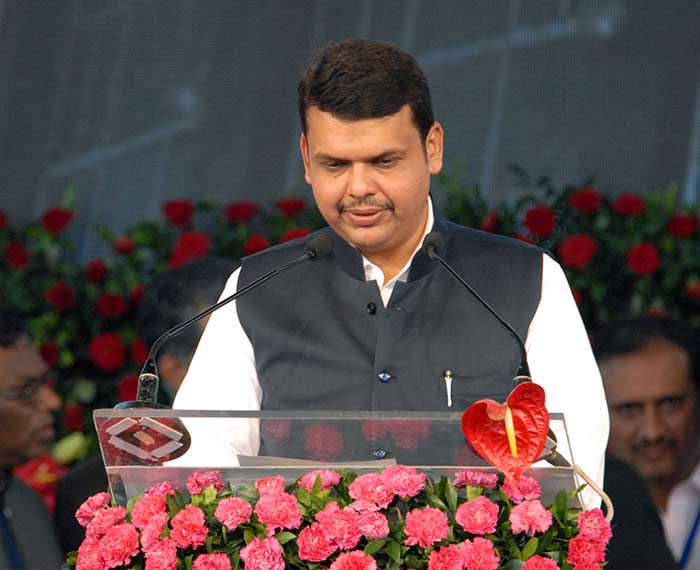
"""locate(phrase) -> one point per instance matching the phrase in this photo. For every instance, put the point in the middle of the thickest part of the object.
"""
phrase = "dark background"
(139, 101)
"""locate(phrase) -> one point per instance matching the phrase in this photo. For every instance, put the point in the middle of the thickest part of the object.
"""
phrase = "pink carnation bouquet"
(341, 520)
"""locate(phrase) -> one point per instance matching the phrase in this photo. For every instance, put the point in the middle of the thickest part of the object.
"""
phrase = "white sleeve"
(562, 362)
(221, 376)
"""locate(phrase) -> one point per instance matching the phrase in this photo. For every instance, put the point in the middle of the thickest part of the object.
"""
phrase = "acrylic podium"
(144, 446)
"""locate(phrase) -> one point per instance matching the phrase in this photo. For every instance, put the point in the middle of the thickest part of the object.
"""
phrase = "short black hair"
(12, 326)
(364, 79)
(630, 335)
(178, 294)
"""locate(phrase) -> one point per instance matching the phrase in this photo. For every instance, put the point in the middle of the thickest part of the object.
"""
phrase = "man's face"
(371, 178)
(653, 410)
(26, 425)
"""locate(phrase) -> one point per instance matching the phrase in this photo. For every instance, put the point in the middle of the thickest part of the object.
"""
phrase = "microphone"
(435, 242)
(147, 393)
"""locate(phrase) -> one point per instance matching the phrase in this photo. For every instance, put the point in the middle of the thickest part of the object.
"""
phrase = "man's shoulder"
(465, 237)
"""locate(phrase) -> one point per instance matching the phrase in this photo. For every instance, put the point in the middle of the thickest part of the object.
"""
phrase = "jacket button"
(379, 453)
(384, 377)
(371, 308)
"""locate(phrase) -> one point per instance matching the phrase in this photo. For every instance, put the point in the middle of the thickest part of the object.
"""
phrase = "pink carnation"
(233, 511)
(263, 554)
(584, 554)
(530, 517)
(86, 511)
(188, 528)
(425, 527)
(89, 555)
(218, 561)
(146, 508)
(104, 520)
(538, 562)
(165, 488)
(479, 554)
(527, 489)
(447, 558)
(475, 479)
(593, 526)
(152, 531)
(197, 482)
(478, 516)
(404, 481)
(278, 510)
(372, 488)
(119, 544)
(162, 555)
(341, 525)
(274, 484)
(314, 544)
(355, 560)
(374, 525)
(328, 477)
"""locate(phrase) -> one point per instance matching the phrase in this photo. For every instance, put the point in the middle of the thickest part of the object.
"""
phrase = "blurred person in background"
(170, 299)
(650, 372)
(28, 539)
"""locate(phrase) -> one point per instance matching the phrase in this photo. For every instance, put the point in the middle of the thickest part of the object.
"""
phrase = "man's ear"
(434, 147)
(172, 370)
(304, 146)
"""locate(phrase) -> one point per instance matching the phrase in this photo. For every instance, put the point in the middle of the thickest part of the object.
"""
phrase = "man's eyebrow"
(385, 154)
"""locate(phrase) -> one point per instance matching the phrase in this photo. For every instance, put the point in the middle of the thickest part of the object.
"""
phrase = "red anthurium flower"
(179, 212)
(490, 223)
(576, 251)
(111, 305)
(189, 246)
(16, 255)
(55, 220)
(107, 352)
(124, 245)
(60, 296)
(643, 259)
(290, 207)
(50, 352)
(96, 271)
(255, 243)
(681, 225)
(241, 212)
(486, 425)
(540, 220)
(585, 200)
(628, 205)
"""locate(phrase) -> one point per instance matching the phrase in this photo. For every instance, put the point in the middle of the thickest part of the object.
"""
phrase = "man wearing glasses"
(27, 403)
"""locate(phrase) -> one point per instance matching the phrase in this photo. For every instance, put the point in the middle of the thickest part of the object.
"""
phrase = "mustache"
(643, 444)
(366, 202)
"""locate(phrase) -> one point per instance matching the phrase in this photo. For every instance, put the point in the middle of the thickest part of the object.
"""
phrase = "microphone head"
(433, 243)
(318, 247)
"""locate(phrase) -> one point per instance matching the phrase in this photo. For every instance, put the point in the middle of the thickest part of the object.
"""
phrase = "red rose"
(294, 233)
(50, 352)
(111, 305)
(189, 246)
(96, 271)
(524, 238)
(692, 288)
(241, 212)
(107, 352)
(577, 295)
(124, 245)
(585, 200)
(139, 351)
(127, 387)
(254, 244)
(16, 255)
(628, 205)
(681, 225)
(73, 416)
(540, 220)
(290, 207)
(3, 220)
(643, 259)
(60, 296)
(577, 250)
(490, 223)
(179, 212)
(56, 220)
(658, 312)
(136, 294)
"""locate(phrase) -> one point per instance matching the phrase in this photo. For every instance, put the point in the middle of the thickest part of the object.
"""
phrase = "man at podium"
(377, 323)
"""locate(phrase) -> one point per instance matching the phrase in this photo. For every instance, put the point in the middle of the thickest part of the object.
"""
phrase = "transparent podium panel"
(144, 446)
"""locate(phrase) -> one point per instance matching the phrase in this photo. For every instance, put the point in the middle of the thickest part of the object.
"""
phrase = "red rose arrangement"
(396, 518)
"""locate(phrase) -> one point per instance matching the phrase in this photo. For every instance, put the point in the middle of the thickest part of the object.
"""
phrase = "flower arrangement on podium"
(343, 520)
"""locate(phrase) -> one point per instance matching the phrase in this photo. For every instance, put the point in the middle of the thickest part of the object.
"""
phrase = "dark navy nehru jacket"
(323, 338)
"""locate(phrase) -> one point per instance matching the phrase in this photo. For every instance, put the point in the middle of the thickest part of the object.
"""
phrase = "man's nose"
(47, 398)
(360, 183)
(653, 426)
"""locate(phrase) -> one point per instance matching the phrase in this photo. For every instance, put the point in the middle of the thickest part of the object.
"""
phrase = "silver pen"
(447, 375)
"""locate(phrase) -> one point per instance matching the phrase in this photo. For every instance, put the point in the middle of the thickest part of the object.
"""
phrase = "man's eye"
(384, 162)
(334, 164)
(672, 403)
(627, 410)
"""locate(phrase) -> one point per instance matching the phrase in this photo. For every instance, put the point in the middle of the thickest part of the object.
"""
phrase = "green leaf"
(285, 537)
(451, 496)
(374, 546)
(530, 547)
(393, 549)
